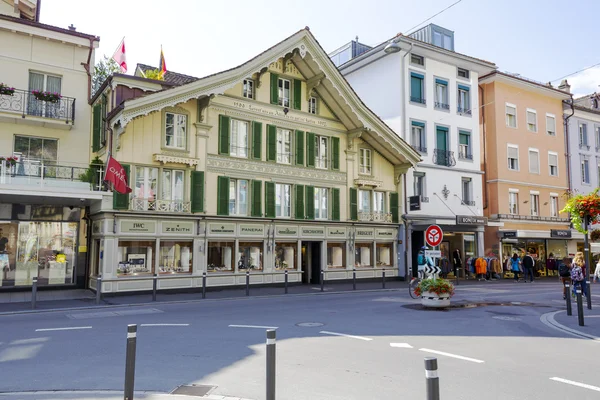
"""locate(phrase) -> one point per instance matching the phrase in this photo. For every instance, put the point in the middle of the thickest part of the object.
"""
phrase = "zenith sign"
(434, 235)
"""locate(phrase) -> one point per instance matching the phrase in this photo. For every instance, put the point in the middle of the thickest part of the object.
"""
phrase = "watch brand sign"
(471, 220)
(365, 233)
(221, 229)
(178, 227)
(138, 226)
(312, 231)
(386, 233)
(336, 232)
(560, 233)
(252, 230)
(286, 231)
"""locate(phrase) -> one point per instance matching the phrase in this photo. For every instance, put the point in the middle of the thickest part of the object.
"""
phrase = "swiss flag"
(116, 175)
(120, 57)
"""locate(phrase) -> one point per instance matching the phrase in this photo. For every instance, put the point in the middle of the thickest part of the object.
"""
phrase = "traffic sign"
(433, 253)
(434, 235)
(432, 270)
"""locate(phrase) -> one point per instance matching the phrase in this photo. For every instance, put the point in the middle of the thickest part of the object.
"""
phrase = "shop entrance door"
(311, 262)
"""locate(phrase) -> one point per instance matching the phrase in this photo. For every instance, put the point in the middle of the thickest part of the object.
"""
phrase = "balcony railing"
(419, 100)
(25, 103)
(464, 154)
(462, 110)
(35, 172)
(175, 206)
(442, 106)
(374, 216)
(420, 149)
(443, 157)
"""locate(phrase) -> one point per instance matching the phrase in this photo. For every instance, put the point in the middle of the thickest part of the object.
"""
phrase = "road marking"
(441, 353)
(29, 341)
(582, 385)
(165, 325)
(253, 326)
(549, 320)
(345, 335)
(70, 328)
(401, 345)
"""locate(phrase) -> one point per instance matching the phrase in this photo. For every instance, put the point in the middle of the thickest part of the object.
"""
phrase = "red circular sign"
(434, 235)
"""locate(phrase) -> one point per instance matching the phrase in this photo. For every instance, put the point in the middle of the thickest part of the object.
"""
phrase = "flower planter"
(433, 300)
(6, 90)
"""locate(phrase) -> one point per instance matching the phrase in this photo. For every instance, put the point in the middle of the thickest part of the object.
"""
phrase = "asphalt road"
(334, 346)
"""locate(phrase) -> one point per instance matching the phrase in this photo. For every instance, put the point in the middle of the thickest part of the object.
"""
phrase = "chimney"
(72, 28)
(564, 86)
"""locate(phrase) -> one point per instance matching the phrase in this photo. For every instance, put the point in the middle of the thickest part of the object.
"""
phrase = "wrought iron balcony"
(443, 157)
(442, 106)
(464, 154)
(25, 103)
(39, 173)
(420, 149)
(175, 206)
(462, 110)
(374, 217)
(419, 100)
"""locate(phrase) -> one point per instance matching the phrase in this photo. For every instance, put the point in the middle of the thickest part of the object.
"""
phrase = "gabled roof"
(49, 27)
(529, 83)
(171, 77)
(313, 63)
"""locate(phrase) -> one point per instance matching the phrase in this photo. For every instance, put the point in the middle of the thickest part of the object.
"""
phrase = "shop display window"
(135, 257)
(470, 245)
(285, 255)
(336, 255)
(250, 256)
(220, 256)
(384, 254)
(175, 257)
(363, 256)
(557, 249)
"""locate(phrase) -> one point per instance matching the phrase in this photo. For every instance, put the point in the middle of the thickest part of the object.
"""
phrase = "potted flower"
(582, 207)
(595, 235)
(46, 96)
(10, 161)
(435, 292)
(6, 90)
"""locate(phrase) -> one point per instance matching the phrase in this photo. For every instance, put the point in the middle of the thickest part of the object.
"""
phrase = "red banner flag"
(120, 56)
(116, 175)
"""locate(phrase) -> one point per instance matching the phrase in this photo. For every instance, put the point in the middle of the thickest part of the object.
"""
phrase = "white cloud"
(585, 82)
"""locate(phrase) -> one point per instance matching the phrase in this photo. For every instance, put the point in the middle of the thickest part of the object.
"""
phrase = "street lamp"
(392, 47)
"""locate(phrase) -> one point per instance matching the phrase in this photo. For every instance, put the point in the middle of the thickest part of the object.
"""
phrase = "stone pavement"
(104, 395)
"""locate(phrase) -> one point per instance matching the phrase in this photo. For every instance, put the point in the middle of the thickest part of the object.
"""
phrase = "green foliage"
(580, 206)
(103, 69)
(91, 174)
(437, 286)
(155, 74)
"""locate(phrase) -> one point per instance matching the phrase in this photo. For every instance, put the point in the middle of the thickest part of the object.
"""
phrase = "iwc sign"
(471, 220)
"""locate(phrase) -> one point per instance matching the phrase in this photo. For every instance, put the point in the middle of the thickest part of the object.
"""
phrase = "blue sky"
(540, 39)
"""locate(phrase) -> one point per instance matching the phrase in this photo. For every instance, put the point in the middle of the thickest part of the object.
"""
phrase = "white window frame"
(554, 205)
(420, 184)
(283, 202)
(321, 203)
(464, 150)
(466, 71)
(284, 140)
(597, 135)
(248, 88)
(534, 200)
(441, 98)
(282, 99)
(463, 101)
(533, 129)
(583, 135)
(421, 143)
(550, 154)
(312, 105)
(506, 107)
(513, 146)
(364, 201)
(146, 192)
(418, 57)
(378, 204)
(531, 150)
(321, 152)
(236, 185)
(173, 190)
(548, 131)
(237, 146)
(468, 184)
(366, 162)
(179, 126)
(585, 178)
(513, 201)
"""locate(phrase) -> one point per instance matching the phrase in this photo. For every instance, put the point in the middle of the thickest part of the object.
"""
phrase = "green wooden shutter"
(335, 153)
(299, 199)
(310, 202)
(274, 88)
(256, 198)
(224, 125)
(197, 191)
(97, 126)
(271, 143)
(223, 195)
(335, 204)
(310, 149)
(121, 201)
(353, 204)
(299, 148)
(394, 199)
(297, 94)
(257, 140)
(270, 199)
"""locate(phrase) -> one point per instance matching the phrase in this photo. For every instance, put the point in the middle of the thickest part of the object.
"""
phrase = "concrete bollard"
(154, 285)
(271, 370)
(568, 298)
(130, 361)
(579, 306)
(432, 381)
(99, 289)
(286, 282)
(247, 283)
(204, 285)
(34, 284)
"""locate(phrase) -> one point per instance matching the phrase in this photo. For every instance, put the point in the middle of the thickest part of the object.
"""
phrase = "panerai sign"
(252, 230)
(138, 226)
(470, 220)
(178, 227)
(560, 233)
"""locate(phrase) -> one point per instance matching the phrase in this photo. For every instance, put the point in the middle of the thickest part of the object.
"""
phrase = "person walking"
(564, 272)
(516, 266)
(528, 264)
(597, 272)
(578, 273)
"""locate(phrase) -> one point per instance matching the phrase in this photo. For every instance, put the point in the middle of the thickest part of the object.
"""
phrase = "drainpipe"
(87, 68)
(568, 151)
(405, 129)
(482, 111)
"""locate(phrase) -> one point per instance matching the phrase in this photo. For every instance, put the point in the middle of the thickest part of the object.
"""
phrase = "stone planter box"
(433, 300)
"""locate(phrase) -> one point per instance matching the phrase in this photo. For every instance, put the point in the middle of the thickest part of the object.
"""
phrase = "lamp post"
(586, 249)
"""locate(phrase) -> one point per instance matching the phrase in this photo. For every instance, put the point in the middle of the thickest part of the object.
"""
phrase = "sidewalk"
(105, 395)
(591, 318)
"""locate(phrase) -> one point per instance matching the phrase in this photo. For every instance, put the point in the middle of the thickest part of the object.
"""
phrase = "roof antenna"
(357, 38)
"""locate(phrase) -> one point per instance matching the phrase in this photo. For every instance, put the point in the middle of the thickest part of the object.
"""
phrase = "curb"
(549, 320)
(104, 393)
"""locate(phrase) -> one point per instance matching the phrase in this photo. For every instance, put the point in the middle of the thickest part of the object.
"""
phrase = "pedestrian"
(597, 271)
(528, 264)
(564, 272)
(516, 266)
(578, 273)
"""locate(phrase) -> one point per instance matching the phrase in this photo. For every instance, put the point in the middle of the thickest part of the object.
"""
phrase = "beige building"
(524, 161)
(44, 149)
(259, 169)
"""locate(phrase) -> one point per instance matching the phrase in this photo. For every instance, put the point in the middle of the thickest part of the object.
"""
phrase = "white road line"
(582, 385)
(70, 328)
(165, 325)
(401, 345)
(441, 353)
(345, 335)
(253, 326)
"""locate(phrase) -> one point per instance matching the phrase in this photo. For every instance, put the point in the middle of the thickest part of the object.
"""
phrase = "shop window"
(175, 256)
(385, 254)
(470, 245)
(285, 255)
(135, 257)
(220, 256)
(363, 256)
(336, 255)
(250, 256)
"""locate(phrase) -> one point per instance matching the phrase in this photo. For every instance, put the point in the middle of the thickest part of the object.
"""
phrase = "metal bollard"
(432, 381)
(204, 285)
(247, 283)
(579, 306)
(34, 292)
(130, 361)
(568, 298)
(271, 364)
(354, 279)
(322, 280)
(286, 282)
(383, 278)
(589, 295)
(154, 284)
(99, 289)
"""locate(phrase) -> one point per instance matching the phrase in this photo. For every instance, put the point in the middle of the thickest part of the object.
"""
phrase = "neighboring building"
(258, 168)
(526, 174)
(42, 196)
(348, 52)
(428, 95)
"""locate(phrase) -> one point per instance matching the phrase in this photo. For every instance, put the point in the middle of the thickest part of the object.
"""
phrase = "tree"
(154, 74)
(103, 69)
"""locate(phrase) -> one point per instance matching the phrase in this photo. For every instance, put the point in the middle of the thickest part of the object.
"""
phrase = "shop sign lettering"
(364, 233)
(252, 230)
(313, 231)
(178, 227)
(222, 229)
(560, 233)
(286, 230)
(471, 220)
(336, 232)
(386, 233)
(138, 227)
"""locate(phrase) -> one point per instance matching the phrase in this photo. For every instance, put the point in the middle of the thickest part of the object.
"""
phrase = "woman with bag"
(597, 272)
(564, 272)
(516, 266)
(578, 273)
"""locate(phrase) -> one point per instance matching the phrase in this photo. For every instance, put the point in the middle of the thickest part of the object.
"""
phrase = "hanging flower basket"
(435, 292)
(6, 90)
(595, 235)
(581, 206)
(46, 96)
(10, 161)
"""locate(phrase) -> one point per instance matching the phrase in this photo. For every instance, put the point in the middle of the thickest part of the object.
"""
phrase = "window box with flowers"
(10, 161)
(435, 293)
(47, 96)
(6, 90)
